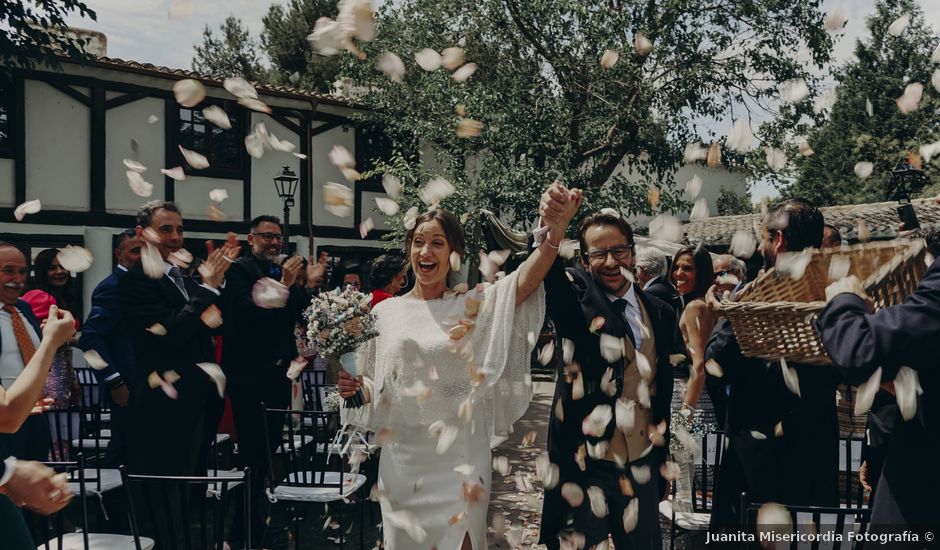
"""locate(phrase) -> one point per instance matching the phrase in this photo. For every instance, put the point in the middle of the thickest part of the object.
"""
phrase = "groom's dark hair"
(603, 217)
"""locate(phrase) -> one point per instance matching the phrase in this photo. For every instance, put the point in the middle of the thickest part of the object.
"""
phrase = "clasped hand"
(348, 384)
(557, 206)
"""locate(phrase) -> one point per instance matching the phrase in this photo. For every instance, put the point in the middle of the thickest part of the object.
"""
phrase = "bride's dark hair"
(453, 232)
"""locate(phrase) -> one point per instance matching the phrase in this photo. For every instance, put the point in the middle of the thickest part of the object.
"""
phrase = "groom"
(613, 460)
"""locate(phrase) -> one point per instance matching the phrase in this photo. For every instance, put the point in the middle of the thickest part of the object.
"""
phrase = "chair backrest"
(314, 387)
(303, 457)
(91, 388)
(706, 473)
(850, 458)
(815, 520)
(176, 512)
(78, 429)
(51, 529)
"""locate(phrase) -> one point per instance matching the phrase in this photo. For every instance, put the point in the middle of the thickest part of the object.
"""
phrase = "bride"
(448, 372)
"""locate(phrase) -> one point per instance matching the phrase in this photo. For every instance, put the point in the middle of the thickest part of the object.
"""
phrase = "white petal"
(899, 25)
(929, 150)
(642, 43)
(358, 17)
(793, 264)
(866, 393)
(626, 415)
(436, 190)
(790, 377)
(239, 87)
(863, 169)
(94, 360)
(694, 152)
(465, 469)
(631, 515)
(611, 347)
(140, 187)
(366, 226)
(446, 439)
(134, 165)
(468, 128)
(546, 353)
(935, 56)
(216, 375)
(269, 294)
(869, 108)
(835, 20)
(75, 258)
(218, 195)
(338, 199)
(151, 261)
(410, 218)
(776, 158)
(839, 267)
(824, 101)
(28, 207)
(572, 493)
(699, 210)
(429, 59)
(254, 144)
(741, 139)
(595, 424)
(254, 105)
(610, 58)
(341, 157)
(174, 173)
(597, 500)
(773, 517)
(567, 350)
(501, 465)
(452, 58)
(392, 186)
(694, 186)
(910, 100)
(194, 159)
(568, 248)
(464, 73)
(387, 206)
(407, 522)
(643, 394)
(641, 474)
(667, 228)
(804, 147)
(758, 435)
(189, 92)
(743, 244)
(455, 261)
(935, 79)
(329, 37)
(794, 91)
(546, 471)
(907, 388)
(153, 119)
(216, 115)
(392, 66)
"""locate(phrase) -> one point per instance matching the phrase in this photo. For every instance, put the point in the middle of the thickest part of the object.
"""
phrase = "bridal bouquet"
(337, 322)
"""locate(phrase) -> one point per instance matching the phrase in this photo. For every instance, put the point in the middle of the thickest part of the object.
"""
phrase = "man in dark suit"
(105, 333)
(895, 338)
(608, 431)
(651, 274)
(257, 348)
(781, 447)
(167, 315)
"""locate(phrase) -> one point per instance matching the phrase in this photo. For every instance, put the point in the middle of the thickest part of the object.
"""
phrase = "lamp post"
(906, 179)
(286, 185)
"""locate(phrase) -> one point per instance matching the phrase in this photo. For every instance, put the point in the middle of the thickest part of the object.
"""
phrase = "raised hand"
(557, 207)
(290, 269)
(316, 270)
(58, 327)
(220, 259)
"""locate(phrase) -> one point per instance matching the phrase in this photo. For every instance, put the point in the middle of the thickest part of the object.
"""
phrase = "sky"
(142, 30)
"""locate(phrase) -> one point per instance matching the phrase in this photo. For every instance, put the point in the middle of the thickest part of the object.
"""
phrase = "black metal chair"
(815, 520)
(853, 495)
(68, 530)
(314, 387)
(77, 430)
(704, 479)
(301, 473)
(172, 503)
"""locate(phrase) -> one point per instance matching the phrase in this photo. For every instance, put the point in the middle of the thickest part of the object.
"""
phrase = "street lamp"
(907, 179)
(286, 185)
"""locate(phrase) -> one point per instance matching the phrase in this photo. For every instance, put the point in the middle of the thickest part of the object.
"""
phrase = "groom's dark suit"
(574, 300)
(170, 436)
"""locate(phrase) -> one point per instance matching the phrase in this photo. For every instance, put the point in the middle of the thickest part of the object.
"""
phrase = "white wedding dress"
(439, 401)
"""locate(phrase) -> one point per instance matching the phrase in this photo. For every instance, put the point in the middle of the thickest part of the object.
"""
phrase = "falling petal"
(134, 165)
(597, 323)
(572, 493)
(652, 196)
(577, 387)
(366, 226)
(793, 264)
(239, 87)
(297, 365)
(595, 424)
(794, 91)
(351, 174)
(436, 191)
(713, 159)
(670, 470)
(386, 206)
(611, 347)
(597, 500)
(863, 169)
(211, 316)
(529, 438)
(864, 235)
(869, 108)
(667, 228)
(824, 102)
(151, 261)
(216, 115)
(631, 515)
(935, 80)
(455, 261)
(501, 465)
(75, 258)
(741, 139)
(835, 20)
(610, 58)
(410, 218)
(899, 25)
(392, 186)
(694, 186)
(452, 58)
(153, 119)
(429, 59)
(790, 377)
(338, 199)
(215, 213)
(776, 158)
(176, 174)
(907, 388)
(804, 147)
(218, 195)
(137, 184)
(643, 394)
(254, 104)
(94, 360)
(341, 157)
(189, 92)
(625, 415)
(194, 159)
(839, 267)
(642, 43)
(392, 66)
(773, 517)
(699, 210)
(910, 100)
(547, 353)
(465, 411)
(468, 128)
(407, 522)
(567, 350)
(694, 152)
(758, 435)
(446, 439)
(464, 73)
(866, 393)
(743, 244)
(157, 329)
(269, 294)
(216, 375)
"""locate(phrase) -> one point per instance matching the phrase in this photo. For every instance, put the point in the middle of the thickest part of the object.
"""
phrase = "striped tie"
(23, 340)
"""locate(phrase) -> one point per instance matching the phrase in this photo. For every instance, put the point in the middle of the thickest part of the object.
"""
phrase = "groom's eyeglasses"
(620, 253)
(267, 237)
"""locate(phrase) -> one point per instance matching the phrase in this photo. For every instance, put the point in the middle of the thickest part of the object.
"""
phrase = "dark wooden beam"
(98, 145)
(324, 128)
(18, 129)
(246, 167)
(71, 92)
(123, 100)
(286, 122)
(170, 152)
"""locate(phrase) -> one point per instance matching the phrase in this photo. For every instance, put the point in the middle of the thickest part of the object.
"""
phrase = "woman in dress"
(692, 275)
(52, 285)
(447, 375)
(387, 277)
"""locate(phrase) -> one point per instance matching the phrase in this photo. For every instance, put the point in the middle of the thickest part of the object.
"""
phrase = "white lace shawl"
(418, 375)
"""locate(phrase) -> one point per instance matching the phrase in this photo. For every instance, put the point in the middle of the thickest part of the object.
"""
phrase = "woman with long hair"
(692, 275)
(448, 373)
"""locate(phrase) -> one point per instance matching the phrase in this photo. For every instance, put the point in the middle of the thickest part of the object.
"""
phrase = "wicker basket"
(775, 316)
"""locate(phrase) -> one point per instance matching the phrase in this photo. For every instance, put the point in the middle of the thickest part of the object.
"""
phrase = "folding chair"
(306, 475)
(852, 494)
(815, 520)
(171, 504)
(78, 430)
(704, 480)
(314, 388)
